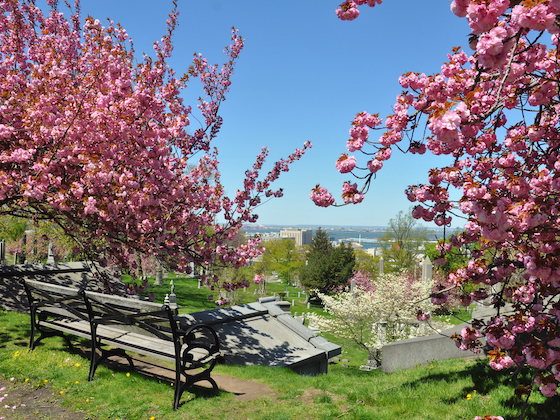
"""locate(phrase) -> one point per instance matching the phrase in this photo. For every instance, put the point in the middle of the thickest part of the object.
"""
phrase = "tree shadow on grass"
(549, 409)
(143, 367)
(4, 339)
(485, 380)
(15, 334)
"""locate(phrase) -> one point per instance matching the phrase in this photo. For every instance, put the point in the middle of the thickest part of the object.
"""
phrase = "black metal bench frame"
(196, 347)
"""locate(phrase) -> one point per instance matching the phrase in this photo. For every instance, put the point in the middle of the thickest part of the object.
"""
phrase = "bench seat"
(127, 340)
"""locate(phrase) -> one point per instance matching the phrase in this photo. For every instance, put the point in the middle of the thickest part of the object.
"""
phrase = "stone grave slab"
(261, 334)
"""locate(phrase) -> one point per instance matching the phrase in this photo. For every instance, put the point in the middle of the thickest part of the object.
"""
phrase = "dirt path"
(22, 401)
(244, 390)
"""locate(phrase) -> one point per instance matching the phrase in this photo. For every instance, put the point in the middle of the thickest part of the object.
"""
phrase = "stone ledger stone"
(264, 334)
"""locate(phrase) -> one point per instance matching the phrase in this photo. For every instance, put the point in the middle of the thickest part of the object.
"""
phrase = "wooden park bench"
(124, 325)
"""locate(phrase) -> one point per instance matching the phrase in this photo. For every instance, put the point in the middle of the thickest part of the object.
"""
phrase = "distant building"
(300, 236)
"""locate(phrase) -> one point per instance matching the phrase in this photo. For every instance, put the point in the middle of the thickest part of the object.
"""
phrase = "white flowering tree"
(385, 313)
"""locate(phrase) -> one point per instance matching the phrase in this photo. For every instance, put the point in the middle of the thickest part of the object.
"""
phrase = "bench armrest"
(201, 336)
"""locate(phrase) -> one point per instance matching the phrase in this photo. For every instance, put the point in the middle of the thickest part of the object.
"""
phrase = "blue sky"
(302, 76)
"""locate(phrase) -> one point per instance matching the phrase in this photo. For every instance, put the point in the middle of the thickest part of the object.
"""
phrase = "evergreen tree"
(327, 267)
(342, 266)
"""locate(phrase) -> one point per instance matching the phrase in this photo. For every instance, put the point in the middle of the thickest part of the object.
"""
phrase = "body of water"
(367, 237)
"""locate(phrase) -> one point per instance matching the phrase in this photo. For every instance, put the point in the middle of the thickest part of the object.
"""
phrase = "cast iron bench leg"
(105, 354)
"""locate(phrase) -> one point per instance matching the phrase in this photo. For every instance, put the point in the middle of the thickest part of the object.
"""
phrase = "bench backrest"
(147, 318)
(78, 275)
(57, 300)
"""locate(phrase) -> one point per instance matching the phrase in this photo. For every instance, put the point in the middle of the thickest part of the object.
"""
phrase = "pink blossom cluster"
(349, 9)
(362, 123)
(489, 418)
(345, 163)
(495, 113)
(102, 144)
(493, 47)
(350, 193)
(422, 315)
(222, 301)
(500, 360)
(468, 339)
(359, 132)
(230, 286)
(481, 15)
(362, 280)
(322, 197)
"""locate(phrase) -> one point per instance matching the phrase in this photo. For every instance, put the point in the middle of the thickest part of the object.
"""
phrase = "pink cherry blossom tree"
(103, 145)
(495, 112)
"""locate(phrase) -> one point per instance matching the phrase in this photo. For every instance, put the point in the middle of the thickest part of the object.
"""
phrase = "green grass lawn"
(191, 299)
(445, 390)
(458, 389)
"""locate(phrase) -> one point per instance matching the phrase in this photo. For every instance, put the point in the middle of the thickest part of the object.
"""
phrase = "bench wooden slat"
(78, 328)
(119, 338)
(63, 312)
(49, 272)
(55, 288)
(125, 303)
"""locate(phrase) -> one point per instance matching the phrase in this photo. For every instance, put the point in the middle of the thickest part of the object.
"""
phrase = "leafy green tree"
(321, 243)
(283, 257)
(327, 267)
(402, 242)
(34, 248)
(366, 263)
(12, 228)
(12, 232)
(452, 260)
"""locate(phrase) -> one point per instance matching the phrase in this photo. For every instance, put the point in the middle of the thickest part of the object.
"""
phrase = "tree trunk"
(374, 358)
(159, 273)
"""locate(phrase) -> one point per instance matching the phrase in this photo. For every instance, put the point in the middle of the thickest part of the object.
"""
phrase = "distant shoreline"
(253, 227)
(368, 237)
